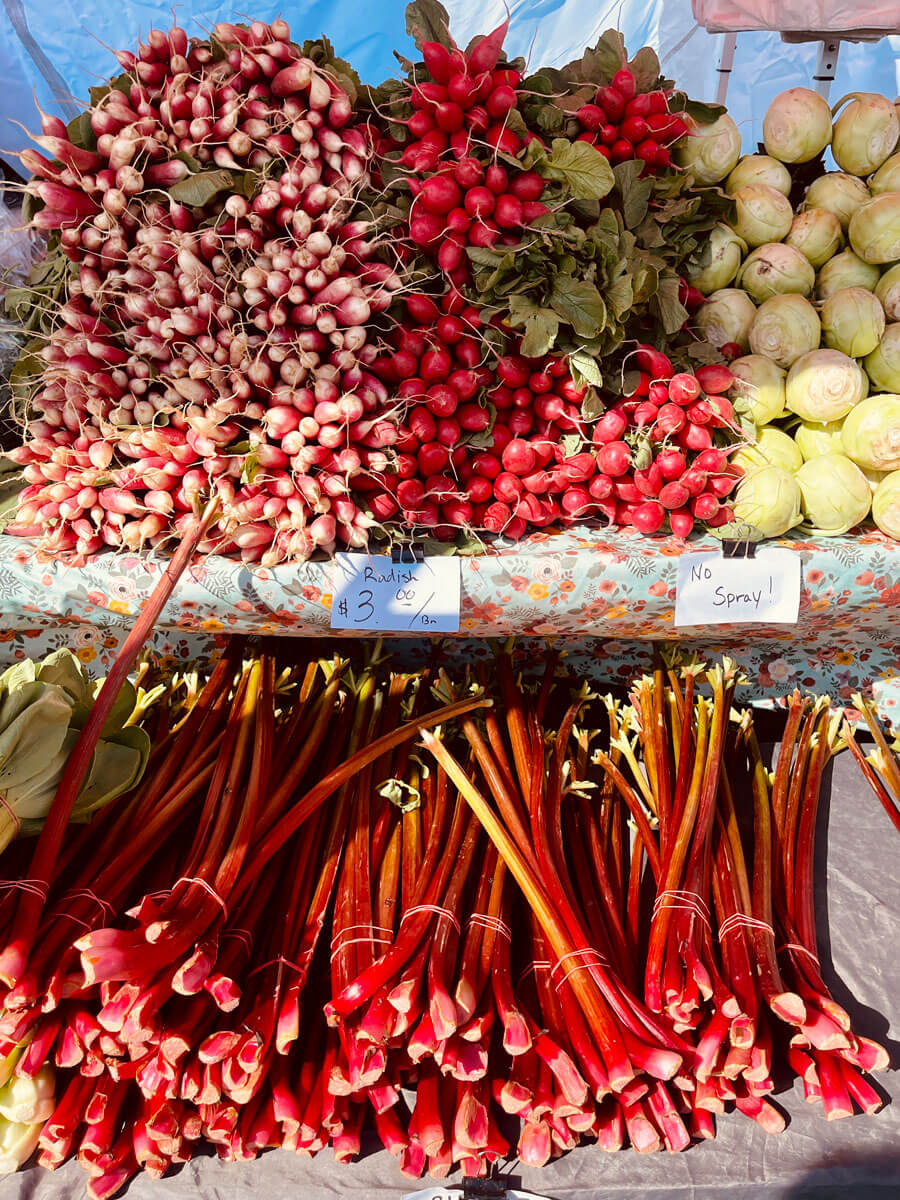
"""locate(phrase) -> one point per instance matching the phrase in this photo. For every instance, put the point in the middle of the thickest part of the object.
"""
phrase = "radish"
(614, 458)
(648, 516)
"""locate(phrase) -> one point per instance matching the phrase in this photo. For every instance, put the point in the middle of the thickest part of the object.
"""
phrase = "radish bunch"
(463, 195)
(657, 456)
(214, 339)
(624, 124)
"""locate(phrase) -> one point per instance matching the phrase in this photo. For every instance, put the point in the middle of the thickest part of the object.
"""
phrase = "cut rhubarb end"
(789, 1007)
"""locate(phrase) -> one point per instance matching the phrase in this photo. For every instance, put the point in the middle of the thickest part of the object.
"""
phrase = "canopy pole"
(826, 64)
(726, 61)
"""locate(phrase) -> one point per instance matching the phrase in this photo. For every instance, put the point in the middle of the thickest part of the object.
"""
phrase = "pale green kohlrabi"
(887, 177)
(865, 134)
(719, 261)
(773, 447)
(758, 388)
(887, 289)
(824, 385)
(845, 270)
(886, 505)
(883, 364)
(817, 234)
(776, 269)
(784, 328)
(871, 433)
(839, 192)
(711, 151)
(726, 317)
(797, 126)
(874, 230)
(815, 438)
(835, 494)
(759, 168)
(768, 499)
(762, 214)
(852, 321)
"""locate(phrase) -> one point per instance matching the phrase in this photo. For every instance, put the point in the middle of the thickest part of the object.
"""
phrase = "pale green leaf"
(581, 167)
(580, 304)
(196, 191)
(585, 369)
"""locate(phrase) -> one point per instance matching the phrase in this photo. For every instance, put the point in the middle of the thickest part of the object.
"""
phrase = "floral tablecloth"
(608, 594)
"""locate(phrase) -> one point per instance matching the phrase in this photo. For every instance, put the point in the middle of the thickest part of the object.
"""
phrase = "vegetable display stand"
(609, 594)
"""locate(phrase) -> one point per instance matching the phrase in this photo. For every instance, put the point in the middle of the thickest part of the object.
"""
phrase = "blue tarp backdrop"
(57, 49)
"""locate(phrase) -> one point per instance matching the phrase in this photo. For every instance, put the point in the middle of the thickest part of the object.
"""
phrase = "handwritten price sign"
(714, 590)
(372, 592)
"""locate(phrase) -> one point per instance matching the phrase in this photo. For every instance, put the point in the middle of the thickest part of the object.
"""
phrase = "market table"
(610, 594)
(858, 907)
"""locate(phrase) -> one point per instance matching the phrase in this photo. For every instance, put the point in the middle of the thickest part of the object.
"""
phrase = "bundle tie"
(243, 935)
(78, 921)
(433, 908)
(14, 816)
(282, 961)
(104, 905)
(690, 901)
(592, 957)
(738, 920)
(533, 967)
(213, 894)
(486, 921)
(37, 887)
(802, 949)
(372, 938)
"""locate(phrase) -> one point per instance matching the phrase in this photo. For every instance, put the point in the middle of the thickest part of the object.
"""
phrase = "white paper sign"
(372, 592)
(455, 1192)
(714, 590)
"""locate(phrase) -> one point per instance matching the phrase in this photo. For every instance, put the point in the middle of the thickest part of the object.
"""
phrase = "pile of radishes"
(462, 194)
(214, 341)
(656, 456)
(624, 124)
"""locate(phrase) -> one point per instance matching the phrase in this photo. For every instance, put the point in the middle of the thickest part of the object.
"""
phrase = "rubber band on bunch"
(533, 968)
(741, 920)
(85, 893)
(802, 950)
(486, 921)
(4, 803)
(211, 891)
(371, 938)
(243, 935)
(592, 957)
(689, 901)
(433, 908)
(285, 962)
(37, 887)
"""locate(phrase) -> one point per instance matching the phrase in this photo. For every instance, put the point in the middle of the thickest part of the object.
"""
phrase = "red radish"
(612, 102)
(496, 179)
(694, 480)
(671, 463)
(609, 428)
(577, 502)
(513, 372)
(508, 211)
(695, 437)
(714, 378)
(518, 457)
(670, 419)
(723, 485)
(705, 506)
(528, 185)
(508, 487)
(440, 193)
(479, 202)
(649, 481)
(681, 523)
(627, 491)
(623, 82)
(501, 100)
(656, 364)
(684, 389)
(601, 487)
(634, 129)
(648, 516)
(614, 458)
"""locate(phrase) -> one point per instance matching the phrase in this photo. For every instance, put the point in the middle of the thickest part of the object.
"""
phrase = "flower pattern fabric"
(607, 595)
